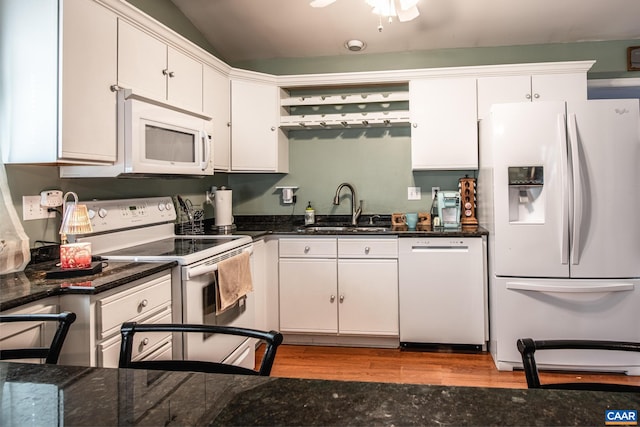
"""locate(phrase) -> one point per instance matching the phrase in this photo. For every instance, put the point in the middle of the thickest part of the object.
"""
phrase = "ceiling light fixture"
(355, 45)
(405, 10)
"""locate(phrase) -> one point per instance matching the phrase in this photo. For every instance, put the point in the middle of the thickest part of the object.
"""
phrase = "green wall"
(376, 162)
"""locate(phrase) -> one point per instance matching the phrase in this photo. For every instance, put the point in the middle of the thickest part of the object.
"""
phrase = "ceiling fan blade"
(405, 15)
(321, 3)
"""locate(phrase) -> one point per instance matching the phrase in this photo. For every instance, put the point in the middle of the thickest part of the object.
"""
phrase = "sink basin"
(371, 229)
(350, 229)
(324, 228)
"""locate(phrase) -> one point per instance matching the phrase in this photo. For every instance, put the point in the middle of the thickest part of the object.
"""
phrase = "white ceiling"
(243, 30)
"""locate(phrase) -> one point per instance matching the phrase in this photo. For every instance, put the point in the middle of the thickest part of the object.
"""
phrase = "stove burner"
(174, 248)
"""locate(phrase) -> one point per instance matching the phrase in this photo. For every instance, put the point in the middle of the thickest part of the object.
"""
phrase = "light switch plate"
(31, 209)
(414, 193)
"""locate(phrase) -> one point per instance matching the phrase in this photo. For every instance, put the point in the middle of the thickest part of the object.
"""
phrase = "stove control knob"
(91, 213)
(102, 212)
(168, 206)
(161, 206)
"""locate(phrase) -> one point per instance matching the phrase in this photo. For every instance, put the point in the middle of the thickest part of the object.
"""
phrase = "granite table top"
(77, 396)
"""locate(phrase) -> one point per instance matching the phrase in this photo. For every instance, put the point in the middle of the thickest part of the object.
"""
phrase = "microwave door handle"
(206, 144)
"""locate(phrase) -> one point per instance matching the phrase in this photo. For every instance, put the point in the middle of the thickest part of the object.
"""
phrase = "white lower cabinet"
(30, 334)
(339, 286)
(368, 297)
(308, 292)
(94, 339)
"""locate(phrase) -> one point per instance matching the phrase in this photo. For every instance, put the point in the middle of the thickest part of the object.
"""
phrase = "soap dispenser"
(435, 220)
(309, 215)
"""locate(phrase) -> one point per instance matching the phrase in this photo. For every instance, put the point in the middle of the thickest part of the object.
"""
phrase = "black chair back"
(527, 348)
(51, 353)
(272, 339)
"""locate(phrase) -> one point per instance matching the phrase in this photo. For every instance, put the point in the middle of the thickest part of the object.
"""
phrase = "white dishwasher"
(443, 291)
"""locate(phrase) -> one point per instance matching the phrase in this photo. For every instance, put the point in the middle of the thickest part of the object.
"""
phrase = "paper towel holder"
(287, 193)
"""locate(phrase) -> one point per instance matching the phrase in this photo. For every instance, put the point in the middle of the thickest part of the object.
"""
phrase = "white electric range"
(142, 230)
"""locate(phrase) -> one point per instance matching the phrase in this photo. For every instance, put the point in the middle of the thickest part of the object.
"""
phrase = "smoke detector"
(355, 45)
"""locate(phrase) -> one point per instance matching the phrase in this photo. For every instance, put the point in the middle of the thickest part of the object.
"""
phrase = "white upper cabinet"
(257, 143)
(444, 131)
(58, 65)
(530, 88)
(216, 102)
(152, 68)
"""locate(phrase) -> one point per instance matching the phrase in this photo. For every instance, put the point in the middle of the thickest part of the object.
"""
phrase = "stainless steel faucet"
(355, 212)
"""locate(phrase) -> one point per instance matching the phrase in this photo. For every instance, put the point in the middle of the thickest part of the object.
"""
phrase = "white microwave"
(154, 138)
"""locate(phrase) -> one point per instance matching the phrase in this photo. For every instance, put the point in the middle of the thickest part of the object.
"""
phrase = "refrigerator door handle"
(577, 190)
(564, 234)
(533, 287)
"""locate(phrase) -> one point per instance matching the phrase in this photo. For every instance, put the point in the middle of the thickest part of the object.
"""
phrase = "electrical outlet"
(433, 192)
(51, 198)
(414, 193)
(31, 209)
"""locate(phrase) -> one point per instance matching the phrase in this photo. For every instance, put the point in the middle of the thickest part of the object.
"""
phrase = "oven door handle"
(191, 272)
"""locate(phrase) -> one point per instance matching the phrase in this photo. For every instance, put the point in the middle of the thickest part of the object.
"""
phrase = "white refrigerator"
(559, 192)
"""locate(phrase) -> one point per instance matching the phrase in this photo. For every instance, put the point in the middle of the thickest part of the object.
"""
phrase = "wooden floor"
(417, 367)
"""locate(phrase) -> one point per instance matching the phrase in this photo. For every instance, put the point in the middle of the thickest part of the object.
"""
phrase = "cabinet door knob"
(273, 128)
(528, 96)
(165, 72)
(367, 249)
(341, 299)
(306, 249)
(536, 95)
(332, 298)
(415, 125)
(144, 303)
(145, 341)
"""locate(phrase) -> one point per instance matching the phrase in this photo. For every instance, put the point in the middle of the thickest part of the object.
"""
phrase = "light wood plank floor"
(417, 367)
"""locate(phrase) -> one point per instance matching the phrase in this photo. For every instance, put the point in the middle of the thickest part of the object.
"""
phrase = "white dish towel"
(234, 281)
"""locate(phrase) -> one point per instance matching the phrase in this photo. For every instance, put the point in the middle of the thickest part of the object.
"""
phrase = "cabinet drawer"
(144, 344)
(308, 248)
(131, 304)
(368, 248)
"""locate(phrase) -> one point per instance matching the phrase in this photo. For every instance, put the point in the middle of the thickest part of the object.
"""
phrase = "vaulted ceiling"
(242, 30)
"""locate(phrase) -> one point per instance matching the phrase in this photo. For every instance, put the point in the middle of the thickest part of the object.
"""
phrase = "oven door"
(199, 307)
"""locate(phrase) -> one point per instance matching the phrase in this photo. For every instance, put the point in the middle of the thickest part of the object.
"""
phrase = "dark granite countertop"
(68, 395)
(258, 226)
(31, 285)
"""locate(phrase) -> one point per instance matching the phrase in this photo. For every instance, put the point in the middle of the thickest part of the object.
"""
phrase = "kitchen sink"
(321, 228)
(372, 229)
(346, 229)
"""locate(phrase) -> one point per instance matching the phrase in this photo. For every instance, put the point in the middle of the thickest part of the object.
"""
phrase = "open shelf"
(348, 107)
